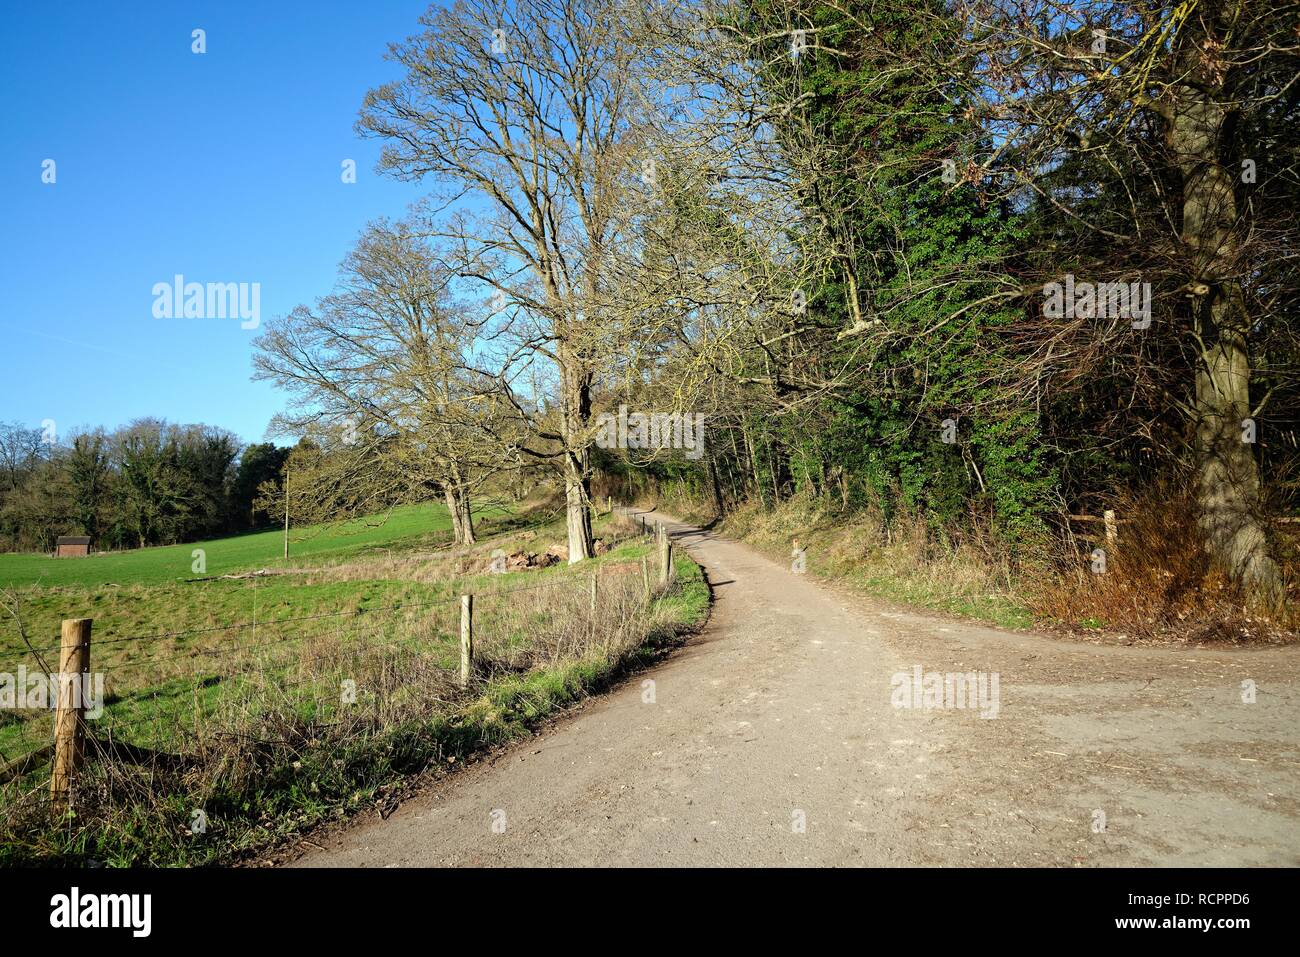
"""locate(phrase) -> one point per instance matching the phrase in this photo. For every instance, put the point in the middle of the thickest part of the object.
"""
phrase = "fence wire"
(317, 674)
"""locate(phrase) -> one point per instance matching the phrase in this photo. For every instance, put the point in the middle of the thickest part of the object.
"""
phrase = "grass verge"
(907, 563)
(1156, 584)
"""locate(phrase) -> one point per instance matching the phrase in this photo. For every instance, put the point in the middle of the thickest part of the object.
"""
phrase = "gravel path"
(772, 738)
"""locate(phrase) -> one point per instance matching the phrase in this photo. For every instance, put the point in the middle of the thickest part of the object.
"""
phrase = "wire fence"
(162, 701)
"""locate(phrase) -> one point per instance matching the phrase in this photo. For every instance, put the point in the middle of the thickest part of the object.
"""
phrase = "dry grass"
(1159, 583)
(964, 570)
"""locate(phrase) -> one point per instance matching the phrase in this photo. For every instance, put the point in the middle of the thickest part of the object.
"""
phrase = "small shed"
(72, 546)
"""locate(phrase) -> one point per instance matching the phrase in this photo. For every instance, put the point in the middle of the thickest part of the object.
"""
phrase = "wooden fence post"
(466, 638)
(69, 719)
(1112, 530)
(645, 572)
(594, 585)
(609, 504)
(665, 556)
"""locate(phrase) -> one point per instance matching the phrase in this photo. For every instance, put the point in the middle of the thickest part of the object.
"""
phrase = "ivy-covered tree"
(870, 98)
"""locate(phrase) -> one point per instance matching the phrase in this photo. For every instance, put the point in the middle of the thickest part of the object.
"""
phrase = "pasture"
(220, 692)
(409, 527)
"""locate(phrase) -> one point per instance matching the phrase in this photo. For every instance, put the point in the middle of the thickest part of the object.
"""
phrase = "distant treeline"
(148, 483)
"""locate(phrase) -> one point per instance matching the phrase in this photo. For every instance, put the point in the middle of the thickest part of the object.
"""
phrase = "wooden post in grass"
(609, 505)
(1112, 530)
(466, 638)
(594, 585)
(665, 556)
(70, 719)
(645, 572)
(286, 511)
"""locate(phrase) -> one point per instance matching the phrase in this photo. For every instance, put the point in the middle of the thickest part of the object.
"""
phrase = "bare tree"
(527, 118)
(378, 378)
(21, 451)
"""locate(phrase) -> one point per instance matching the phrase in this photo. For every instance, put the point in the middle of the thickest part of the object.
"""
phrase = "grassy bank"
(1156, 584)
(905, 564)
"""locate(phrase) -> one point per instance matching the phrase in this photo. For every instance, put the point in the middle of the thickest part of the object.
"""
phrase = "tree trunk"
(576, 497)
(1226, 472)
(735, 469)
(577, 460)
(466, 516)
(774, 463)
(453, 509)
(719, 504)
(754, 467)
(1227, 475)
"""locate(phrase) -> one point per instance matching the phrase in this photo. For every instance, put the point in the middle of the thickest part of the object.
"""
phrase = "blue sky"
(224, 167)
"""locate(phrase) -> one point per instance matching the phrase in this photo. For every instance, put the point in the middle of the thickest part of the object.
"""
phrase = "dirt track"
(780, 711)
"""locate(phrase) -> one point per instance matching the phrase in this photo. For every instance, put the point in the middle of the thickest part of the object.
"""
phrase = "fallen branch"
(20, 766)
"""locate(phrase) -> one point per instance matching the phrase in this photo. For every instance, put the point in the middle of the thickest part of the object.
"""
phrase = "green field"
(152, 591)
(408, 527)
(339, 568)
(240, 679)
(155, 625)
